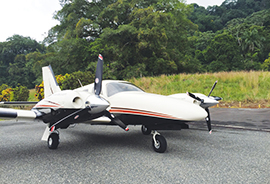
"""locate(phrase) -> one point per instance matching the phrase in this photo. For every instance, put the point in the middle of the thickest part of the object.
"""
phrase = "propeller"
(97, 105)
(213, 87)
(195, 97)
(98, 77)
(208, 119)
(97, 89)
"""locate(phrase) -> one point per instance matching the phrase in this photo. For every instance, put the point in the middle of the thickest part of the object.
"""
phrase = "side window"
(111, 89)
(117, 87)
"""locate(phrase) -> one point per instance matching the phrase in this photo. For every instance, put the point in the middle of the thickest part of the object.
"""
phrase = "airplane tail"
(50, 84)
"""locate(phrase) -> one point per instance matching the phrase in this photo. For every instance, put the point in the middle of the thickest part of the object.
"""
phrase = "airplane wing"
(18, 115)
(18, 103)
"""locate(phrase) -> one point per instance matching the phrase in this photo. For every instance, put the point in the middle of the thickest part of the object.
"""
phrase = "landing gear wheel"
(145, 130)
(160, 145)
(53, 141)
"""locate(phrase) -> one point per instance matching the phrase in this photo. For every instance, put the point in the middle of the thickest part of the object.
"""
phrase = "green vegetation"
(32, 97)
(140, 38)
(143, 38)
(233, 87)
(19, 93)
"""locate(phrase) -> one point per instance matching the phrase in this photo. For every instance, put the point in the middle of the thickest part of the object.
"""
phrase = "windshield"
(117, 87)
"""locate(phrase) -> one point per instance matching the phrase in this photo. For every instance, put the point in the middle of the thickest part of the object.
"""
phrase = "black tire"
(53, 141)
(162, 144)
(145, 130)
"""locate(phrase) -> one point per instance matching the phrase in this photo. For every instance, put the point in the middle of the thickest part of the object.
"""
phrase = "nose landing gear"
(53, 140)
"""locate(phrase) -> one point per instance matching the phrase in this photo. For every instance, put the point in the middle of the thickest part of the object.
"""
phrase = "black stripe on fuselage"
(130, 119)
(153, 123)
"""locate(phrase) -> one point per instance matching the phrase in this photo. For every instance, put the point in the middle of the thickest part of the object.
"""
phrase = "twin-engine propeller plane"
(112, 102)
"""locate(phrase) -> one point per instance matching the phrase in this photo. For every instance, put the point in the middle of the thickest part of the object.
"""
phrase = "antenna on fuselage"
(80, 82)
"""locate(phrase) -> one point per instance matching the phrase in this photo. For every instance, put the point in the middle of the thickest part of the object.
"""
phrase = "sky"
(34, 18)
(205, 3)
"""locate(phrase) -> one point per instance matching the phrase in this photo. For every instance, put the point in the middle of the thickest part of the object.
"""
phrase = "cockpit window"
(117, 87)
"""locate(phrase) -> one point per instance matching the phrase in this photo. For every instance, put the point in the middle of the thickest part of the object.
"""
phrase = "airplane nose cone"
(97, 104)
(200, 113)
(195, 113)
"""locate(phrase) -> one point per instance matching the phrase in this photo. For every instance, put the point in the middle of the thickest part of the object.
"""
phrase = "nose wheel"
(53, 140)
(159, 142)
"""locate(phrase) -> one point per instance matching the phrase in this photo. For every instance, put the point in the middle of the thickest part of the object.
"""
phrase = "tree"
(214, 18)
(68, 55)
(73, 80)
(151, 40)
(16, 45)
(5, 94)
(266, 64)
(223, 54)
(252, 40)
(19, 93)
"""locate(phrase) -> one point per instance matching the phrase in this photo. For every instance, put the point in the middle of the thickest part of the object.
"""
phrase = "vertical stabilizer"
(50, 84)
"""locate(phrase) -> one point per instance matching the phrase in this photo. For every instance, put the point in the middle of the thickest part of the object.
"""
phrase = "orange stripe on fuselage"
(142, 113)
(51, 105)
(46, 106)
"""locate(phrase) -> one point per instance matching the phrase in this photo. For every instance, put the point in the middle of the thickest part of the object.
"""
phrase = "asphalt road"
(248, 119)
(102, 154)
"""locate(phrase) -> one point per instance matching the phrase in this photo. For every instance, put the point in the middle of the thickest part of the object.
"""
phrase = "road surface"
(103, 154)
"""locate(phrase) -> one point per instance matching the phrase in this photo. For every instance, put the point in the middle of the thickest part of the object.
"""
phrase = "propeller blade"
(116, 121)
(208, 121)
(98, 77)
(213, 87)
(194, 96)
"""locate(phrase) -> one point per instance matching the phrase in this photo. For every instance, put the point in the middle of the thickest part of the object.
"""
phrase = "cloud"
(27, 18)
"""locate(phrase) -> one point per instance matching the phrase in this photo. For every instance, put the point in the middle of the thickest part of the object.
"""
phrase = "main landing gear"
(159, 142)
(53, 140)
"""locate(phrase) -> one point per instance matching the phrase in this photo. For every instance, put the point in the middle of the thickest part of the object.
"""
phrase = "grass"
(234, 87)
(238, 89)
(32, 97)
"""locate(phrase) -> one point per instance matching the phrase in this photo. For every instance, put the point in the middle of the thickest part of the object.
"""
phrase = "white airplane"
(112, 102)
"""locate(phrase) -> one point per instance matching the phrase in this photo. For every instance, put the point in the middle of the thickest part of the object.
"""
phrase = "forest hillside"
(143, 39)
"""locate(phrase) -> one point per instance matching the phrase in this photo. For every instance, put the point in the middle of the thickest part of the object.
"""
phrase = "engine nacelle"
(64, 99)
